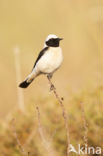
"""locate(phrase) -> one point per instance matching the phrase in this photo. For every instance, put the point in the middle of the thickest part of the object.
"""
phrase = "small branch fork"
(60, 101)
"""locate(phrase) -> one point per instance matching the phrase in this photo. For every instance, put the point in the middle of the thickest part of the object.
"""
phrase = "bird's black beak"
(60, 39)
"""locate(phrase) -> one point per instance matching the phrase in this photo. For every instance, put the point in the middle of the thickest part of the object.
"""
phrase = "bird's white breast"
(51, 60)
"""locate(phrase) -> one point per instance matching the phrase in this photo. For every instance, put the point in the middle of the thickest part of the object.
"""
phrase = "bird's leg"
(49, 76)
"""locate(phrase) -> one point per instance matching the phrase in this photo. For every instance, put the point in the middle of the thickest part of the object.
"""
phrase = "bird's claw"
(49, 76)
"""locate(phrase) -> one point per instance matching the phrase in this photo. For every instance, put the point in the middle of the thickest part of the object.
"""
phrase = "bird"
(48, 61)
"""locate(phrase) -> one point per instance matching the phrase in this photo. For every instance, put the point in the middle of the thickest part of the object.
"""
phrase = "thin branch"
(29, 138)
(22, 150)
(85, 124)
(45, 142)
(60, 101)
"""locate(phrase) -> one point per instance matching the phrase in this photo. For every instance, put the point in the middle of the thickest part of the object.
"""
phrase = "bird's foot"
(49, 76)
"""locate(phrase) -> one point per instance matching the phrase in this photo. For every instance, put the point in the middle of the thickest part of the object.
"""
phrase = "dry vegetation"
(52, 123)
(31, 122)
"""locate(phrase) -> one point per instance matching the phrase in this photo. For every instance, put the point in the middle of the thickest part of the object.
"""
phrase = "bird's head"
(52, 41)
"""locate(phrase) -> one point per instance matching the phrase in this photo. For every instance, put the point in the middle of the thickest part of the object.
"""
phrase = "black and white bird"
(48, 60)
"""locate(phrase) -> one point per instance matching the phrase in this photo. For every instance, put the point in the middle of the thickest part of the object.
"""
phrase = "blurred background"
(25, 25)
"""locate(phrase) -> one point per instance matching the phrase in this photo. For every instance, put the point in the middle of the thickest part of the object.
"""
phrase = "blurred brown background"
(26, 24)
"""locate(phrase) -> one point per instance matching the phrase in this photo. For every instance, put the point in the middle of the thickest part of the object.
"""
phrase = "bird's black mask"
(53, 42)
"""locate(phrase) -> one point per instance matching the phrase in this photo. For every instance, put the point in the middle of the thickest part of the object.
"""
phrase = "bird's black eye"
(53, 42)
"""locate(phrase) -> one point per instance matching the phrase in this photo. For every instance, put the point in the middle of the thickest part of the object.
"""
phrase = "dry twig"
(45, 142)
(85, 125)
(21, 148)
(60, 100)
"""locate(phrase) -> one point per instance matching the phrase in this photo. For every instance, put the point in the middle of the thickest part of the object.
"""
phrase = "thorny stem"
(60, 100)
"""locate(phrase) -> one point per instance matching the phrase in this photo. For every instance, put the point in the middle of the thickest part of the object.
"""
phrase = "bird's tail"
(27, 81)
(25, 84)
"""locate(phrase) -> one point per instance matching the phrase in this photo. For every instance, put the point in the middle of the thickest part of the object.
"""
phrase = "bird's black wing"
(40, 55)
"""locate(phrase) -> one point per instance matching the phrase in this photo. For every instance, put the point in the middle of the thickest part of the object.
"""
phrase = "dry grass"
(52, 120)
(21, 148)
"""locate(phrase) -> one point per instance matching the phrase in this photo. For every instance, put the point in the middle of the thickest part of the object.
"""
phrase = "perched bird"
(47, 62)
